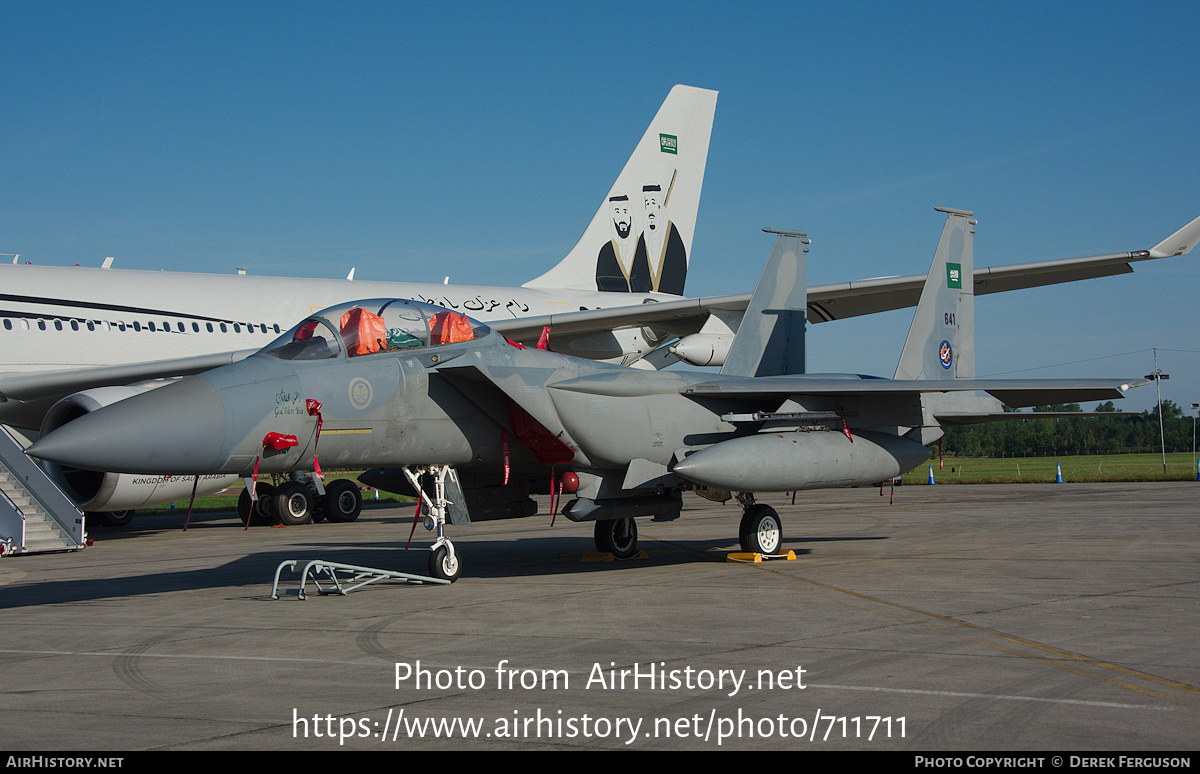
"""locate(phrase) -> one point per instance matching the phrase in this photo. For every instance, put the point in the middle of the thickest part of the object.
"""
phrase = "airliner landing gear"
(112, 518)
(617, 537)
(260, 511)
(294, 503)
(343, 501)
(298, 501)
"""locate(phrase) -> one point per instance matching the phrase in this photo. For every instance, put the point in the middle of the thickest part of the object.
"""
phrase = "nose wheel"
(444, 562)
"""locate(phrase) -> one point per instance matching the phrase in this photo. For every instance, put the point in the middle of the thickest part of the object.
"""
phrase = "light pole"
(1158, 376)
(1195, 462)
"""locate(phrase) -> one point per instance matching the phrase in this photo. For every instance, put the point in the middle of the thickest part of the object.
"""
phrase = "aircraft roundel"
(360, 393)
(945, 354)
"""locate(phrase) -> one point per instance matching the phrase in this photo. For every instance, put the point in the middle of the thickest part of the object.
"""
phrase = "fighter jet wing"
(962, 418)
(1017, 393)
(825, 302)
(847, 299)
(39, 385)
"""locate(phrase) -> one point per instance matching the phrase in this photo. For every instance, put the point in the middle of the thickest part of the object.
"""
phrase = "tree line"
(1031, 436)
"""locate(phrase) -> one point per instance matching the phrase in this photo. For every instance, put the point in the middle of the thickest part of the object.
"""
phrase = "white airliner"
(82, 338)
(112, 332)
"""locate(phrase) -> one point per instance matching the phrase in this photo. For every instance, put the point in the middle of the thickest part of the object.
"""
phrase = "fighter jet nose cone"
(178, 428)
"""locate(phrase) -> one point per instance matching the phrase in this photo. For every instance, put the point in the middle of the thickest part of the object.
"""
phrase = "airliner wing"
(41, 384)
(852, 299)
(678, 317)
(847, 299)
(825, 302)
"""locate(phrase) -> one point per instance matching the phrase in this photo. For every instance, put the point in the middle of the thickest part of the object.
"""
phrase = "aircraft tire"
(761, 531)
(617, 537)
(113, 518)
(264, 512)
(343, 501)
(294, 504)
(444, 564)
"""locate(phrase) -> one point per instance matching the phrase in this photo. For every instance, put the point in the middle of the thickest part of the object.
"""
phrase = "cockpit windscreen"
(369, 327)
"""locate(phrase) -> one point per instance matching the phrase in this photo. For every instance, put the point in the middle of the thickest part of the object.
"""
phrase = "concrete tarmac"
(1057, 617)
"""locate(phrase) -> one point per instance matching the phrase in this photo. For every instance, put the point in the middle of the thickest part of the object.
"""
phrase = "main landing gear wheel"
(264, 508)
(112, 518)
(444, 563)
(617, 537)
(761, 531)
(294, 503)
(343, 501)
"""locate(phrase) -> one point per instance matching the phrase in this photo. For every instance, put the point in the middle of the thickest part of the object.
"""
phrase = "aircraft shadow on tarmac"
(251, 576)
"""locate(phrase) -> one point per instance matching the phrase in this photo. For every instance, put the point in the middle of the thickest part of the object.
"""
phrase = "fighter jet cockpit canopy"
(372, 326)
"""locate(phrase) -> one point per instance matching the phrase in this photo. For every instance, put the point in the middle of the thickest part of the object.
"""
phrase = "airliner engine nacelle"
(703, 349)
(781, 462)
(97, 491)
(625, 347)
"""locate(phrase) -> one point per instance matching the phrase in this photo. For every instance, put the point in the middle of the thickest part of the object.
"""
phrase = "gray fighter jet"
(445, 408)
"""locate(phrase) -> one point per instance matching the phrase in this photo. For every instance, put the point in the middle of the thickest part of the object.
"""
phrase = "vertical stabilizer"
(640, 240)
(770, 339)
(941, 340)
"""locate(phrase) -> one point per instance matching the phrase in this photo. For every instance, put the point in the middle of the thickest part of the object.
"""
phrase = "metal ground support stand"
(359, 577)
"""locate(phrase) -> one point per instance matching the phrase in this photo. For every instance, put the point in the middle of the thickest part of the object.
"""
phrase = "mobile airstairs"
(35, 515)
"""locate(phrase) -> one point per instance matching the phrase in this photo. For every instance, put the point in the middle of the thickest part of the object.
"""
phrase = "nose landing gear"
(444, 563)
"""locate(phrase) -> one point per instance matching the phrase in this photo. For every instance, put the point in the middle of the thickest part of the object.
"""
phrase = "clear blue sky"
(413, 141)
